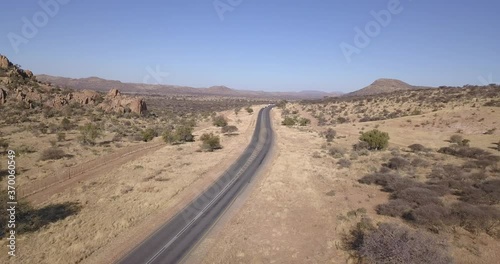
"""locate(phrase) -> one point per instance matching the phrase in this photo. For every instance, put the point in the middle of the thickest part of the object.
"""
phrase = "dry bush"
(378, 178)
(329, 134)
(229, 129)
(476, 218)
(419, 162)
(398, 163)
(447, 171)
(391, 243)
(417, 148)
(417, 195)
(61, 136)
(394, 208)
(487, 192)
(432, 215)
(457, 139)
(360, 146)
(468, 152)
(337, 152)
(52, 154)
(344, 163)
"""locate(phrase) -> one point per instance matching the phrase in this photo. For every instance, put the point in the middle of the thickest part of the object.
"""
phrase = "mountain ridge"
(104, 85)
(385, 85)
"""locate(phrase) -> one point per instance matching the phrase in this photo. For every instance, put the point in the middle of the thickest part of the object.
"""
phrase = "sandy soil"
(305, 203)
(122, 206)
(288, 217)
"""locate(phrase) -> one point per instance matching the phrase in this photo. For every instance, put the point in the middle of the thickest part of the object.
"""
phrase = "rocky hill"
(98, 84)
(20, 88)
(384, 86)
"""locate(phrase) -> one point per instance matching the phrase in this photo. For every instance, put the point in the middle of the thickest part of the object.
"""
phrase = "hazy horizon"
(257, 45)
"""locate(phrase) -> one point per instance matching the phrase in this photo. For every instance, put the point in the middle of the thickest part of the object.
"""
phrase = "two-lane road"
(174, 239)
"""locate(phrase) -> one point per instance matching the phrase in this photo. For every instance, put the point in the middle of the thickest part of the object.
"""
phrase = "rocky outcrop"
(116, 102)
(113, 93)
(4, 63)
(3, 96)
(84, 97)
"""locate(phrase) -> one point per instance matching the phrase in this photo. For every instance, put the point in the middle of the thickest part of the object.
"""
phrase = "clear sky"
(282, 45)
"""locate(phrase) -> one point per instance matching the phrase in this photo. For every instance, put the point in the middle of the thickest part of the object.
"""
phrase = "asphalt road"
(172, 241)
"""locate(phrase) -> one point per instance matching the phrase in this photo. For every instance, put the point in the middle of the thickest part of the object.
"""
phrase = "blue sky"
(285, 45)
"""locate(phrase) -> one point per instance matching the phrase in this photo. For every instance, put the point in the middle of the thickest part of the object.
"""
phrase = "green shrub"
(89, 133)
(377, 140)
(149, 134)
(219, 121)
(304, 121)
(249, 110)
(180, 135)
(288, 121)
(210, 141)
(184, 134)
(169, 136)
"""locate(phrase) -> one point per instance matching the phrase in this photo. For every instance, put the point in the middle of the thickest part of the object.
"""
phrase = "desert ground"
(306, 203)
(413, 170)
(120, 207)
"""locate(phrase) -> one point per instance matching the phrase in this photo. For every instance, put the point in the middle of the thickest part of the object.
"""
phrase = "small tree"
(89, 133)
(376, 139)
(249, 110)
(219, 121)
(237, 110)
(210, 141)
(229, 129)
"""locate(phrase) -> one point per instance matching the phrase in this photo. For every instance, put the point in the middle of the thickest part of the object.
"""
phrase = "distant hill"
(385, 86)
(99, 84)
